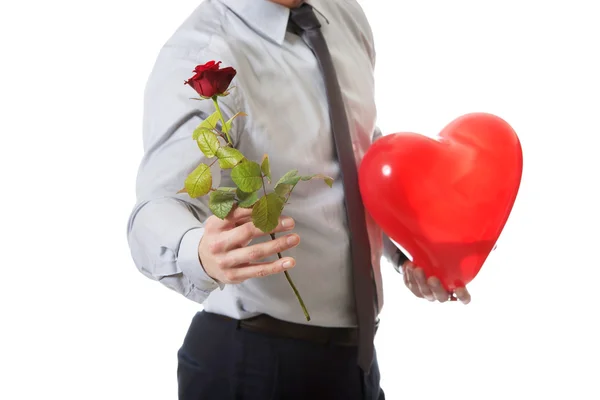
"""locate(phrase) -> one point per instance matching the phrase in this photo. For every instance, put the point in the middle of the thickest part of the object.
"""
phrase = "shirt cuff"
(189, 262)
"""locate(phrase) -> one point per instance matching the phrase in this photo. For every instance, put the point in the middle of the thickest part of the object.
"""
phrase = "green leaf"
(230, 121)
(267, 211)
(247, 200)
(328, 180)
(228, 157)
(210, 122)
(247, 176)
(197, 131)
(290, 178)
(221, 202)
(199, 182)
(283, 189)
(265, 167)
(207, 141)
(287, 182)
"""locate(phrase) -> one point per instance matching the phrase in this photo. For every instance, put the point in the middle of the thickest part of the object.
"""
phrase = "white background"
(79, 322)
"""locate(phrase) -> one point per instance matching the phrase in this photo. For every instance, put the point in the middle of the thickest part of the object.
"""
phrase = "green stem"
(287, 276)
(214, 99)
(296, 292)
(263, 182)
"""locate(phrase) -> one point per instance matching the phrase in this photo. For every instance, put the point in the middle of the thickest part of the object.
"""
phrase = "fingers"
(258, 252)
(227, 256)
(422, 283)
(215, 224)
(463, 295)
(242, 235)
(259, 270)
(430, 288)
(409, 279)
(237, 214)
(438, 290)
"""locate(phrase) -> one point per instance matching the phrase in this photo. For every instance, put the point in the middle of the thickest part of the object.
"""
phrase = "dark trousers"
(221, 361)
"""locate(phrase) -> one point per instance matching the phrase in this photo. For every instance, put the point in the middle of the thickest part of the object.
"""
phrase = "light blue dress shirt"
(279, 86)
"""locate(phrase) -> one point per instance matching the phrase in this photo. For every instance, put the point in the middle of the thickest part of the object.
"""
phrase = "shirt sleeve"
(390, 251)
(165, 228)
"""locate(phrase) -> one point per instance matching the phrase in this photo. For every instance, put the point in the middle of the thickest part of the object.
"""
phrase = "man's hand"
(430, 288)
(226, 256)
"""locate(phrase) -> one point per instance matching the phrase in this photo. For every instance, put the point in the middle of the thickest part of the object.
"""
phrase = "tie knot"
(304, 17)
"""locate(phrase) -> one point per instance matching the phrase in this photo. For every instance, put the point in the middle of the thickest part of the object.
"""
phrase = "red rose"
(210, 80)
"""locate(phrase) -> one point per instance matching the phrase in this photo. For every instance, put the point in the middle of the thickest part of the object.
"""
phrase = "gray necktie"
(305, 23)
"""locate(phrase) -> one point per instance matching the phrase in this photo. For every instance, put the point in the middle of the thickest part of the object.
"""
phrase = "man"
(252, 340)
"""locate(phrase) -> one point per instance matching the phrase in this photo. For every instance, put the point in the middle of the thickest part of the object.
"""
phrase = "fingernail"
(292, 240)
(287, 222)
(434, 283)
(288, 264)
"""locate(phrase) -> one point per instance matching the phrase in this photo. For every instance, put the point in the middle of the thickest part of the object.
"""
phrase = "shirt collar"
(264, 16)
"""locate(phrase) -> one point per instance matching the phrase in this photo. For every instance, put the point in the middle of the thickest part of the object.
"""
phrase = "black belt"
(318, 334)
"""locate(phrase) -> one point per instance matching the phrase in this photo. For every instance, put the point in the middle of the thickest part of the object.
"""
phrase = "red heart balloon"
(445, 200)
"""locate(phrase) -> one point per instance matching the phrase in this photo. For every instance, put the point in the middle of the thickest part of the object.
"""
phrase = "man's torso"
(280, 87)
